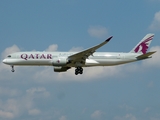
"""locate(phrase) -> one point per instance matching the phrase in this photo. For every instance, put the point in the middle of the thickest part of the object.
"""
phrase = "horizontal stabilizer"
(144, 56)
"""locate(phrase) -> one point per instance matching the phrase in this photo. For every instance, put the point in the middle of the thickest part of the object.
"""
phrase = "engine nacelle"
(59, 61)
(61, 69)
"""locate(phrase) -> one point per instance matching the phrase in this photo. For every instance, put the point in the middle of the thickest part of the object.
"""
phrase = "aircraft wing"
(83, 55)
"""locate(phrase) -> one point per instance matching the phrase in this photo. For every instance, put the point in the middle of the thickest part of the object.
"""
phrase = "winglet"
(109, 39)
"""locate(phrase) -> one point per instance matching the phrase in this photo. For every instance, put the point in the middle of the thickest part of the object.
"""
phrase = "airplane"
(63, 61)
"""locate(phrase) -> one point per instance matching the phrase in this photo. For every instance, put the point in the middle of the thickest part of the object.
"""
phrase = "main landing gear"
(12, 68)
(78, 70)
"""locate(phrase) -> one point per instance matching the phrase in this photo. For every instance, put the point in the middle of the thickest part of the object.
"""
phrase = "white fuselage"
(46, 59)
(62, 61)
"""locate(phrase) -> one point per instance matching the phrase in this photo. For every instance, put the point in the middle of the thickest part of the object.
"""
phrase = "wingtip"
(109, 39)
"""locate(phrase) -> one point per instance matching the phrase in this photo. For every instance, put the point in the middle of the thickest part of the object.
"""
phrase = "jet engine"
(61, 69)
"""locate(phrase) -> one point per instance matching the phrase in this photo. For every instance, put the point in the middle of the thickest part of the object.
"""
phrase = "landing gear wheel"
(81, 72)
(78, 70)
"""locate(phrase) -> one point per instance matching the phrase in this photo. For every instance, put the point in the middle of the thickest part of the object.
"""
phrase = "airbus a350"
(63, 61)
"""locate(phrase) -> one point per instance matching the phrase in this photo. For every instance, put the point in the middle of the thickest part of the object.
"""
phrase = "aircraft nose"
(5, 61)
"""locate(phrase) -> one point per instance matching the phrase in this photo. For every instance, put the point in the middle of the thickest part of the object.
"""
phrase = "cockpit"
(9, 56)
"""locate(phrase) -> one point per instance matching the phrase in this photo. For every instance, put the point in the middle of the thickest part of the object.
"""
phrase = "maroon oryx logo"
(143, 46)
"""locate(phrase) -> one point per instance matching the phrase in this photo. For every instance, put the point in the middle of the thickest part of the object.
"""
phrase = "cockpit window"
(9, 56)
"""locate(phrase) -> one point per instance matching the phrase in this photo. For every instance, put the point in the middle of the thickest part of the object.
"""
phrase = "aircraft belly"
(88, 63)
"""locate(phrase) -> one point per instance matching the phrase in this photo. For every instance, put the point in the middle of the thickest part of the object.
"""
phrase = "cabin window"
(9, 56)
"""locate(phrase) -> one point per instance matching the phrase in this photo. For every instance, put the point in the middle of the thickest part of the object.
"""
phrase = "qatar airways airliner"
(63, 61)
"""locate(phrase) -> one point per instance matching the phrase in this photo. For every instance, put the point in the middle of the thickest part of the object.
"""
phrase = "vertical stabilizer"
(143, 45)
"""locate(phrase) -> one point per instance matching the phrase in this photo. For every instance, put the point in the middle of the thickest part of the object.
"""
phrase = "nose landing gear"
(78, 70)
(12, 68)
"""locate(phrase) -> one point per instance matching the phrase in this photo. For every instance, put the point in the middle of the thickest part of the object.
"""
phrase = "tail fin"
(143, 45)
